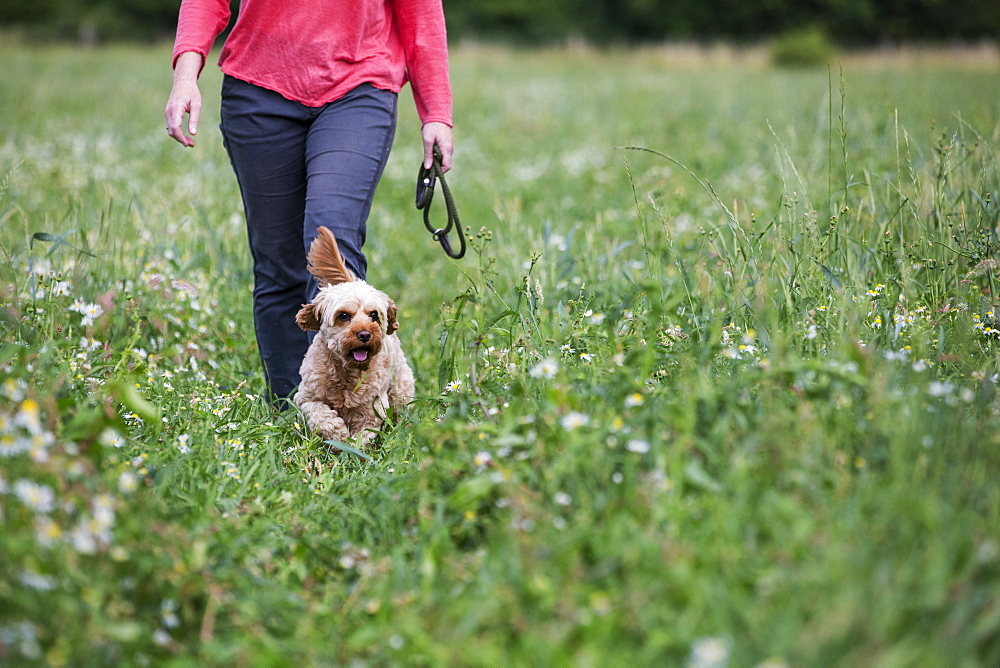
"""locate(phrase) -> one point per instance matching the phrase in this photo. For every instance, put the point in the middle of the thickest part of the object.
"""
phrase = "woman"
(308, 117)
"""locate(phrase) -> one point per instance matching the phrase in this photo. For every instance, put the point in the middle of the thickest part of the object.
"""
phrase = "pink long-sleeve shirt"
(315, 51)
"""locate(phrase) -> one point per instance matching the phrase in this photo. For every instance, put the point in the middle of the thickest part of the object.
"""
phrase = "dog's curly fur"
(355, 369)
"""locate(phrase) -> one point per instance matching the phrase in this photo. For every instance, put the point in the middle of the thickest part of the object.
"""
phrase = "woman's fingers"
(438, 134)
(185, 98)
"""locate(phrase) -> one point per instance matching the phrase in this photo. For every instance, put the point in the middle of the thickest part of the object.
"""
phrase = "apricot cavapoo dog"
(354, 370)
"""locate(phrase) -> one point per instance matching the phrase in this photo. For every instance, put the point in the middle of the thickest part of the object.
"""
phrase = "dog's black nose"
(364, 336)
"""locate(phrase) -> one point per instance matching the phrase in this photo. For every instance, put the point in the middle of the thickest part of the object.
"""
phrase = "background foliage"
(849, 22)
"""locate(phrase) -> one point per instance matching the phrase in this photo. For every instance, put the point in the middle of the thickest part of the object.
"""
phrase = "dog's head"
(352, 316)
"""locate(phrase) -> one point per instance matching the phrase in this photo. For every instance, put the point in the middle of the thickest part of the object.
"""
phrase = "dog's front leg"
(324, 421)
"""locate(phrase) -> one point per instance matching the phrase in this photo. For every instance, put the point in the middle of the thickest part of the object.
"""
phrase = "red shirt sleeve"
(425, 42)
(199, 22)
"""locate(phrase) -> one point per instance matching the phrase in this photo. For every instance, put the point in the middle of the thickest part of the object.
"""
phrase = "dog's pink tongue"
(360, 355)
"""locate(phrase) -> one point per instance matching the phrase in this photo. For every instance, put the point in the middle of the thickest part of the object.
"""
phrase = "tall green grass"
(715, 384)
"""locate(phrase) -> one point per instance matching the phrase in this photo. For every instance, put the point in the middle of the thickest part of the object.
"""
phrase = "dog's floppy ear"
(309, 318)
(325, 261)
(391, 325)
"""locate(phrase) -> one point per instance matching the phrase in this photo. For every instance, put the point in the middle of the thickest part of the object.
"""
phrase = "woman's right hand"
(185, 98)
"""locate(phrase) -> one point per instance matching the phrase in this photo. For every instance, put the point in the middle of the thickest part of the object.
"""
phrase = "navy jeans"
(300, 167)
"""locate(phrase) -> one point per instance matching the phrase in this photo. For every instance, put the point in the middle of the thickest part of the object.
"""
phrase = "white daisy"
(575, 419)
(547, 368)
(39, 498)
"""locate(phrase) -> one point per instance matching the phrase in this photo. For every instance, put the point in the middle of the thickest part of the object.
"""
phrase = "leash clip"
(440, 235)
(446, 245)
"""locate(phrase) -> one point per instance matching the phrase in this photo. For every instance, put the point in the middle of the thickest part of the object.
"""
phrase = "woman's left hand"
(437, 134)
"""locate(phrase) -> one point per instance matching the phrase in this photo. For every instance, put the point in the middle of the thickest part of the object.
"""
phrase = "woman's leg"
(298, 168)
(265, 137)
(346, 150)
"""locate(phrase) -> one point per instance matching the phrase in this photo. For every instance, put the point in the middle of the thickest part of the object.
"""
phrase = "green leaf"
(57, 240)
(126, 393)
(698, 477)
(349, 449)
(470, 493)
(830, 276)
(126, 632)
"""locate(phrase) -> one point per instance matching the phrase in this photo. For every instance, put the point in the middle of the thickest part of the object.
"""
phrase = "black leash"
(425, 195)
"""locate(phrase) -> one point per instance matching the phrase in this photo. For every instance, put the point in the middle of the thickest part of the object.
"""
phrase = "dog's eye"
(343, 316)
(374, 316)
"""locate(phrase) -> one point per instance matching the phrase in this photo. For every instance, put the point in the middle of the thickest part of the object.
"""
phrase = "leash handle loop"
(426, 178)
(425, 188)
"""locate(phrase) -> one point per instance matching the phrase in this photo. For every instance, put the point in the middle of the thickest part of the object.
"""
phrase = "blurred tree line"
(848, 22)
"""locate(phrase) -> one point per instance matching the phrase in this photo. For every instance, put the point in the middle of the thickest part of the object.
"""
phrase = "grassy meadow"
(727, 398)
